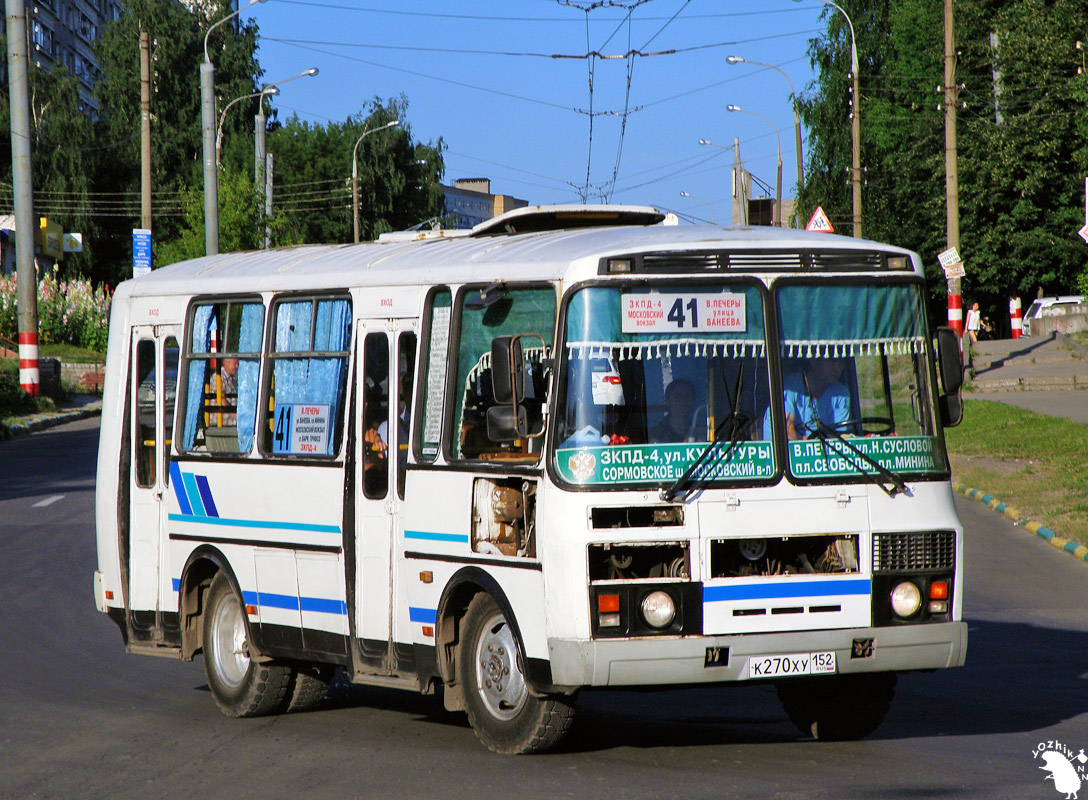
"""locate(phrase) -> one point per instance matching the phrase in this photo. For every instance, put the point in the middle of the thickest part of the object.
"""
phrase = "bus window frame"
(268, 360)
(778, 421)
(451, 394)
(559, 389)
(186, 357)
(423, 356)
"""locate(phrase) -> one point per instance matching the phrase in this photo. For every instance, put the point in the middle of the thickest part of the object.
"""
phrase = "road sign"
(1084, 232)
(954, 271)
(949, 257)
(819, 222)
(141, 252)
(73, 242)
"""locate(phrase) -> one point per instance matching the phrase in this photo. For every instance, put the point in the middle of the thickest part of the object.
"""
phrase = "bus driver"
(813, 392)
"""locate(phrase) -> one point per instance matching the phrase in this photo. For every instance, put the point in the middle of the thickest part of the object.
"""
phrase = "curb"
(32, 424)
(1078, 551)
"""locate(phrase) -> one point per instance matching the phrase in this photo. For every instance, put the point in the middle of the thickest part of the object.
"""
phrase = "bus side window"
(222, 367)
(308, 351)
(500, 311)
(406, 369)
(433, 390)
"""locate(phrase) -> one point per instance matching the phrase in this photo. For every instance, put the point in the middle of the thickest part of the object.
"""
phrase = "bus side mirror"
(508, 369)
(506, 423)
(950, 364)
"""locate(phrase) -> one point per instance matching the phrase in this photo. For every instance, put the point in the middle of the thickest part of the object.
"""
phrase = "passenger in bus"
(814, 391)
(228, 383)
(679, 421)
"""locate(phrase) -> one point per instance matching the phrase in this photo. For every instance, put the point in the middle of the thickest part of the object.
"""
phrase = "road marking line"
(48, 501)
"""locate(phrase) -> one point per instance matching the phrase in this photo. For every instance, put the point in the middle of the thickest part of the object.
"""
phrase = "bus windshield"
(656, 376)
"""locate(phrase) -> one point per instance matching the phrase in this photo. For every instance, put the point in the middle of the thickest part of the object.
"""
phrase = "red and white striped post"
(955, 312)
(29, 375)
(1015, 320)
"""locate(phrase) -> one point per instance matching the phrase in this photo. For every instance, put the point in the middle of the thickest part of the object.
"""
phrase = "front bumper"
(683, 660)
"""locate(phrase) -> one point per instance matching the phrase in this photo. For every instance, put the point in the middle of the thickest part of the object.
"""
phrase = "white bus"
(573, 447)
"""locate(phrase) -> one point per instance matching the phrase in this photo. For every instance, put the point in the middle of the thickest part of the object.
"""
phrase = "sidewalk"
(1047, 375)
(79, 406)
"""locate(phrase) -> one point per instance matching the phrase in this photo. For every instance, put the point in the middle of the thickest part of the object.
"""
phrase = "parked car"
(1043, 304)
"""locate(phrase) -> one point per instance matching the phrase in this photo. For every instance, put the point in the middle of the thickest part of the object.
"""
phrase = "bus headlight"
(658, 609)
(906, 599)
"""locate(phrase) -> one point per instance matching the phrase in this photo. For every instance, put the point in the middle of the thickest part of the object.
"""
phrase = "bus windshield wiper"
(733, 424)
(825, 432)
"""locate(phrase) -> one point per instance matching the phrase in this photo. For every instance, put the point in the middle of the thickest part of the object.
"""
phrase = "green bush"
(69, 312)
(13, 400)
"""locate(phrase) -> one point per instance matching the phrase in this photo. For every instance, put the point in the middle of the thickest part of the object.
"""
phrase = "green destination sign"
(811, 458)
(663, 462)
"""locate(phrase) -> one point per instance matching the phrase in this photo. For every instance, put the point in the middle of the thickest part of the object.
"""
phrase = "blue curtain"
(850, 313)
(194, 399)
(249, 369)
(313, 380)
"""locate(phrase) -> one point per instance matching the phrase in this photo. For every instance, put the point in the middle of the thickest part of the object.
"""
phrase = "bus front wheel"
(504, 712)
(241, 686)
(838, 708)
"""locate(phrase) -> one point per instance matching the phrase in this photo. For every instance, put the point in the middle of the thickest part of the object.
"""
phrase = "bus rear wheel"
(838, 708)
(504, 712)
(241, 686)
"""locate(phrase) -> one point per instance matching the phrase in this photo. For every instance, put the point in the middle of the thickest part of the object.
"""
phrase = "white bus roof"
(541, 242)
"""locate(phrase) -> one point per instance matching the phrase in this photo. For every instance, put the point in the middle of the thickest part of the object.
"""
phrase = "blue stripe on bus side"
(179, 489)
(193, 493)
(206, 495)
(772, 591)
(257, 523)
(437, 537)
(427, 615)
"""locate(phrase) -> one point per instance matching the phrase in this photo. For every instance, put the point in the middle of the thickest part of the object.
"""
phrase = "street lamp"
(260, 160)
(855, 122)
(778, 183)
(796, 114)
(689, 194)
(223, 116)
(355, 173)
(207, 126)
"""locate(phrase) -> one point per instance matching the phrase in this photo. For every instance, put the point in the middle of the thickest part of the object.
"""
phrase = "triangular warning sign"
(819, 222)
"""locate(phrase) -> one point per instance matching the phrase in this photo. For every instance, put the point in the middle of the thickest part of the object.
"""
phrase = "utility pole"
(268, 203)
(23, 195)
(951, 175)
(145, 130)
(741, 187)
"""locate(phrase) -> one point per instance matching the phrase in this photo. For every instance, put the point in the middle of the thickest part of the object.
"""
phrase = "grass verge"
(1034, 462)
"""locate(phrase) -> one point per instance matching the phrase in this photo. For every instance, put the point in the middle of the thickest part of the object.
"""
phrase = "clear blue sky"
(483, 76)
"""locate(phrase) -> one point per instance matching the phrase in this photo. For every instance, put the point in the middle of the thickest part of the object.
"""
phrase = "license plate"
(822, 663)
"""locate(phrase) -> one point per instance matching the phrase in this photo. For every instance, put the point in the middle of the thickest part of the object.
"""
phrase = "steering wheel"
(870, 426)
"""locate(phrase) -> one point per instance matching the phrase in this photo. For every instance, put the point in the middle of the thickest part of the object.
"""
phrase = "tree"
(1021, 165)
(399, 181)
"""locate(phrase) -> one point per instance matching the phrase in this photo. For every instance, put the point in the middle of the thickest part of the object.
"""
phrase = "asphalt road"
(80, 718)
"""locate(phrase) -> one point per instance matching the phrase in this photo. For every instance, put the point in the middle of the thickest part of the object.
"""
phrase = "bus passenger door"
(385, 391)
(153, 388)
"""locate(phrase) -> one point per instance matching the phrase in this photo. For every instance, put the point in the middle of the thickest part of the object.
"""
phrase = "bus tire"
(241, 686)
(307, 687)
(838, 708)
(503, 711)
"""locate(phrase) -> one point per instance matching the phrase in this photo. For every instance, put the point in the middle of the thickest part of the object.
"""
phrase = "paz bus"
(573, 447)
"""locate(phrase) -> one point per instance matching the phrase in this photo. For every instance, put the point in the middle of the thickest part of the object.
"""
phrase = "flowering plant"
(69, 312)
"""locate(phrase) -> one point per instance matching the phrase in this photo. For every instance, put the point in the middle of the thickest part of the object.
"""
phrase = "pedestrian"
(975, 323)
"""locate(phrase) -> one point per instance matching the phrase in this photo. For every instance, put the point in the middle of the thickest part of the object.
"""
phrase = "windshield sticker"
(663, 462)
(812, 458)
(671, 313)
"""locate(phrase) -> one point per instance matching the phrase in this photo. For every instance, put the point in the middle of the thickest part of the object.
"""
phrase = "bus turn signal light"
(938, 590)
(608, 610)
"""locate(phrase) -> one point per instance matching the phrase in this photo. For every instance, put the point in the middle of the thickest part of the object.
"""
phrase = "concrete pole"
(268, 203)
(211, 178)
(951, 176)
(145, 130)
(23, 186)
(259, 146)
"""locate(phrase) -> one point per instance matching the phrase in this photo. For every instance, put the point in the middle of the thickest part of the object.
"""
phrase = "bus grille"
(896, 552)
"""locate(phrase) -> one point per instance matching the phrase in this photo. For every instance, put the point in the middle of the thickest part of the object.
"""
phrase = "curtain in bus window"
(249, 341)
(850, 320)
(312, 379)
(194, 395)
(594, 328)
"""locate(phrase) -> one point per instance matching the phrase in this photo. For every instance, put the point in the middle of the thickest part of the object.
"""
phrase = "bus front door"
(385, 393)
(153, 373)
